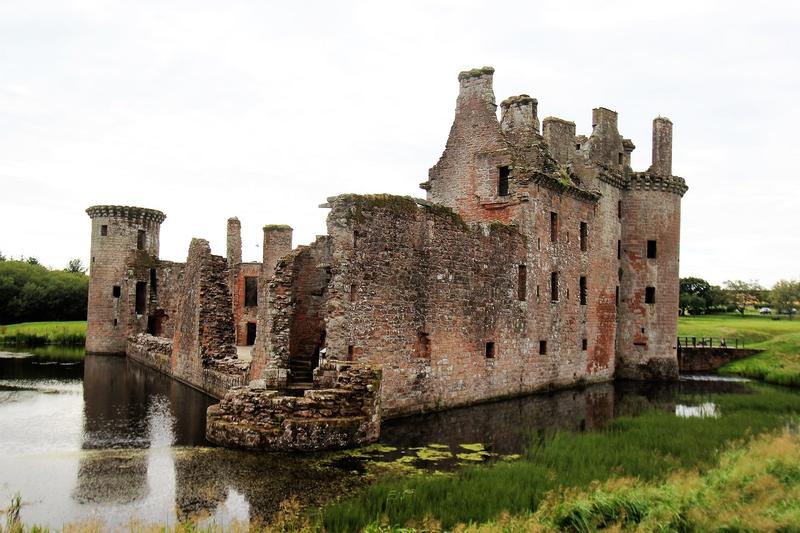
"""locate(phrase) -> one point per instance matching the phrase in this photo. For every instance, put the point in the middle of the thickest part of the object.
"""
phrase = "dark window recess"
(619, 249)
(423, 347)
(522, 283)
(542, 347)
(583, 290)
(350, 351)
(352, 293)
(619, 209)
(153, 282)
(104, 230)
(116, 291)
(553, 226)
(115, 322)
(620, 158)
(577, 146)
(650, 295)
(584, 344)
(251, 333)
(538, 243)
(250, 291)
(537, 292)
(554, 286)
(616, 296)
(502, 181)
(490, 350)
(355, 238)
(141, 297)
(584, 236)
(140, 239)
(651, 249)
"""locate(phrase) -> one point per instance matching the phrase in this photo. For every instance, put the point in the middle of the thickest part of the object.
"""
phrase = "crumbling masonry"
(539, 259)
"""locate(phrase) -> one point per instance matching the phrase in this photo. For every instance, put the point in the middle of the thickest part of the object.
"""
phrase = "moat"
(103, 438)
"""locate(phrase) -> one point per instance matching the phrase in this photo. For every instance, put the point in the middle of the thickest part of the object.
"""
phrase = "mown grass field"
(780, 340)
(43, 333)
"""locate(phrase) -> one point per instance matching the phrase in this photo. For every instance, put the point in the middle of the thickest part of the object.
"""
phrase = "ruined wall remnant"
(341, 410)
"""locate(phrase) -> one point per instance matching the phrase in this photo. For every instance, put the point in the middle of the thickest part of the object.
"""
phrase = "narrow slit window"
(619, 209)
(116, 291)
(141, 297)
(104, 230)
(353, 293)
(542, 347)
(616, 296)
(490, 350)
(584, 344)
(554, 286)
(522, 283)
(423, 347)
(583, 290)
(350, 351)
(650, 295)
(537, 292)
(553, 226)
(250, 291)
(115, 322)
(584, 236)
(620, 158)
(651, 249)
(619, 249)
(502, 181)
(140, 239)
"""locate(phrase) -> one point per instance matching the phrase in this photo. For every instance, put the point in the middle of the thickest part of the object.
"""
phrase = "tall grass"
(648, 447)
(44, 333)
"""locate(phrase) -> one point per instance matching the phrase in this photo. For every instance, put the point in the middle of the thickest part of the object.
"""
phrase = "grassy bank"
(780, 340)
(44, 333)
(649, 448)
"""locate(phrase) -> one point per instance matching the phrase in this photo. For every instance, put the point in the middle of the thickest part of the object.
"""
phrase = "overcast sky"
(260, 110)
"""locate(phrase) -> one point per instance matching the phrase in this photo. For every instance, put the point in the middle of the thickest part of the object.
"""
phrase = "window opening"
(619, 249)
(490, 350)
(502, 181)
(250, 291)
(620, 158)
(553, 226)
(542, 347)
(522, 283)
(584, 344)
(619, 209)
(140, 239)
(104, 230)
(584, 236)
(650, 295)
(116, 291)
(423, 347)
(651, 249)
(141, 297)
(583, 290)
(554, 286)
(251, 334)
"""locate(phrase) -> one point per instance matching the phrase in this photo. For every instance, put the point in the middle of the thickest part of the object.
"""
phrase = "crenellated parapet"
(644, 181)
(140, 214)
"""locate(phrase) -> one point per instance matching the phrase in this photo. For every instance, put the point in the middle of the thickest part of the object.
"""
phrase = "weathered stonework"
(538, 260)
(342, 409)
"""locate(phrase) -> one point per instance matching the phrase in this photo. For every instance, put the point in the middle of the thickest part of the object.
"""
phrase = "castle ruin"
(539, 259)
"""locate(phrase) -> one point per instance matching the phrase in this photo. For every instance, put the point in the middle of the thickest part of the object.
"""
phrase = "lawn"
(41, 333)
(780, 340)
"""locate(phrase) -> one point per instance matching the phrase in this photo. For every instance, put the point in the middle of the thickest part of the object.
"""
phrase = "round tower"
(650, 251)
(122, 238)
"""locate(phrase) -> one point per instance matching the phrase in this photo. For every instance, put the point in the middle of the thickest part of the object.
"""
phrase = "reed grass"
(44, 333)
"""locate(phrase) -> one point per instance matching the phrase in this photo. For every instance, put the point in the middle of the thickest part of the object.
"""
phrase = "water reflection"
(127, 442)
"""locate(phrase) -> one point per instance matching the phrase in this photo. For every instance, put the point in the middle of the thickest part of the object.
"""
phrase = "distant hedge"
(33, 293)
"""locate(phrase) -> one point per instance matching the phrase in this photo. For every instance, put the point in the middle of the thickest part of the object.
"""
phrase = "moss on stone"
(357, 203)
(445, 212)
(475, 73)
(279, 227)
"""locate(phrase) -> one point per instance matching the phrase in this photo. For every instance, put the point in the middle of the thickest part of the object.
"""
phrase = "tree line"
(30, 292)
(699, 297)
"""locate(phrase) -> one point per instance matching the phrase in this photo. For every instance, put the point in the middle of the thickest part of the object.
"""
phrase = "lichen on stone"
(475, 73)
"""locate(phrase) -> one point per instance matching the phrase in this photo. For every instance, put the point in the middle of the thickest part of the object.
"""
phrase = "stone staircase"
(302, 375)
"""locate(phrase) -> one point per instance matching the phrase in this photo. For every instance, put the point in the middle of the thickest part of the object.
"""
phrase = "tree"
(32, 261)
(692, 303)
(785, 296)
(697, 296)
(75, 266)
(744, 293)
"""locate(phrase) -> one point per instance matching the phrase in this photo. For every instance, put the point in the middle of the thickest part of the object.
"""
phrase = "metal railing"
(709, 342)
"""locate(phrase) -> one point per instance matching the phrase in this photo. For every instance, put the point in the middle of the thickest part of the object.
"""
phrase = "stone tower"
(649, 284)
(125, 242)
